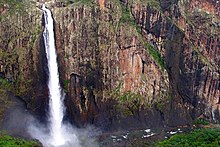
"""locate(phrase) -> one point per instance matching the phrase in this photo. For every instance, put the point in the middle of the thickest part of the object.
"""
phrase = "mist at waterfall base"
(56, 133)
(74, 137)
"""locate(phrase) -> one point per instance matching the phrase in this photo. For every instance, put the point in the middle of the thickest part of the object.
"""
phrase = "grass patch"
(65, 84)
(196, 138)
(9, 141)
(4, 84)
(129, 102)
(200, 121)
(156, 55)
(83, 1)
(202, 58)
(127, 18)
(13, 7)
(131, 98)
(152, 3)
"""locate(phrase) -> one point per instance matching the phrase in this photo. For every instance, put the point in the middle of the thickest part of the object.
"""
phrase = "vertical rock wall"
(123, 64)
(103, 50)
(22, 56)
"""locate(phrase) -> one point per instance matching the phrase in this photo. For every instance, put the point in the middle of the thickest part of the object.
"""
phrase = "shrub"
(4, 84)
(8, 141)
(200, 137)
(200, 121)
(66, 83)
(155, 55)
(83, 1)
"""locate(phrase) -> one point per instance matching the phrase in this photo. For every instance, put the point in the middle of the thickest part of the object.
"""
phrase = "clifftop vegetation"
(10, 7)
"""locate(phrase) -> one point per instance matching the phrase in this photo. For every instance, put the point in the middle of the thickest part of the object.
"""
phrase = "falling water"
(55, 104)
(58, 131)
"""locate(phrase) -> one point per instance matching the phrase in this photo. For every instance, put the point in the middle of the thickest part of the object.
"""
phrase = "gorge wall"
(22, 55)
(123, 64)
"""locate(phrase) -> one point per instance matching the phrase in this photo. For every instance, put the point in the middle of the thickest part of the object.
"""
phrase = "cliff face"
(122, 63)
(22, 56)
(110, 73)
(125, 46)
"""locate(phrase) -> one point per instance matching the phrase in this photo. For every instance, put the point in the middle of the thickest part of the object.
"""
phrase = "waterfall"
(55, 104)
(58, 135)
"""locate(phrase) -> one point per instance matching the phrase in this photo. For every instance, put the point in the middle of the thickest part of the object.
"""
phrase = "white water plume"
(58, 134)
(55, 103)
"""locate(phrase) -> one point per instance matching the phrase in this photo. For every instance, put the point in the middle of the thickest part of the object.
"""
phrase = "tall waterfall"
(56, 133)
(59, 132)
(55, 104)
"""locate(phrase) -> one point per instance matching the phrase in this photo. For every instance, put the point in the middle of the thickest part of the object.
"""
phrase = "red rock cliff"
(133, 63)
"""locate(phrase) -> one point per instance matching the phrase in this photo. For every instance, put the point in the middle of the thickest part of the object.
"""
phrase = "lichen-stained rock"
(101, 51)
(190, 35)
(103, 45)
(122, 63)
(22, 56)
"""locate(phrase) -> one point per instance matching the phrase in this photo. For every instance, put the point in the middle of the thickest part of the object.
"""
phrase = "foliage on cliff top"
(200, 137)
(9, 141)
(84, 2)
(152, 3)
(12, 7)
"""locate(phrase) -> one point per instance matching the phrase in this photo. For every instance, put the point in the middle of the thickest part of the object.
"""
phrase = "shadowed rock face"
(123, 64)
(23, 58)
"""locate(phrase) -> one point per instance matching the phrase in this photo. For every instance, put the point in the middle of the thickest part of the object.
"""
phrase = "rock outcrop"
(123, 64)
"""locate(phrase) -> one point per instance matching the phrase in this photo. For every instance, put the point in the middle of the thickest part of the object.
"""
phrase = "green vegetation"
(4, 84)
(12, 7)
(201, 57)
(152, 3)
(156, 55)
(206, 24)
(8, 141)
(132, 100)
(8, 58)
(12, 55)
(87, 2)
(5, 102)
(129, 101)
(196, 138)
(126, 16)
(160, 104)
(129, 19)
(200, 121)
(66, 83)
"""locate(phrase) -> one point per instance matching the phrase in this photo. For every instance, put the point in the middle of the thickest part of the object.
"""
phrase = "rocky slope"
(123, 64)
